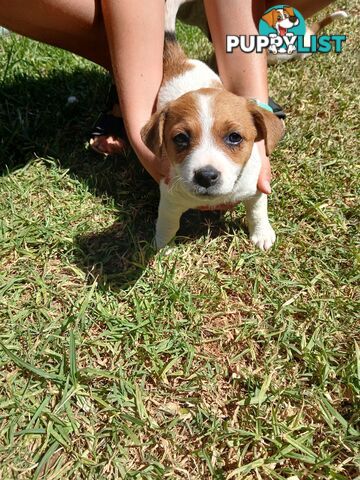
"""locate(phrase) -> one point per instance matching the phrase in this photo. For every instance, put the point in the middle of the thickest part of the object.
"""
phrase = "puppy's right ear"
(152, 133)
(269, 127)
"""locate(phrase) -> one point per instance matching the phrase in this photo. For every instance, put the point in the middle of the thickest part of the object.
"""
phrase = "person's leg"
(307, 8)
(74, 25)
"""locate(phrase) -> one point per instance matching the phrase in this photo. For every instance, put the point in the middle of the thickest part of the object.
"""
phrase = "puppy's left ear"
(269, 127)
(152, 133)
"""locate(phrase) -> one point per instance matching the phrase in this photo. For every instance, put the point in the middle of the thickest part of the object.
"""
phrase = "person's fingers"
(155, 166)
(265, 175)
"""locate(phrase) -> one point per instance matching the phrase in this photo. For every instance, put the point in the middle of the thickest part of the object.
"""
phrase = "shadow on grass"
(118, 255)
(36, 120)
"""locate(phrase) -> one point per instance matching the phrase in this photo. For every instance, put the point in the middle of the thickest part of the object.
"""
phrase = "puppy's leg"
(168, 221)
(261, 232)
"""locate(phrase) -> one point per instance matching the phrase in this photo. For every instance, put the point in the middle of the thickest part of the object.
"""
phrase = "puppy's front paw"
(263, 236)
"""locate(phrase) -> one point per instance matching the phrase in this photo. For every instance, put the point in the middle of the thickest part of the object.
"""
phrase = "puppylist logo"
(282, 30)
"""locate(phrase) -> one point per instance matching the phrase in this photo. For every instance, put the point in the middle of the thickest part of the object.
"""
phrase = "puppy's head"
(208, 135)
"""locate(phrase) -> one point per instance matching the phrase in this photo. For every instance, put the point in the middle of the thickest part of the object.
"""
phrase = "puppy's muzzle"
(207, 176)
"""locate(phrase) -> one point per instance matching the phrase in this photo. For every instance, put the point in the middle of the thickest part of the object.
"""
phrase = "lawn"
(215, 361)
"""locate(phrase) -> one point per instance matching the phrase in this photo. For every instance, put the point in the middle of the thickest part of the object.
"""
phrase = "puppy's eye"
(181, 140)
(233, 139)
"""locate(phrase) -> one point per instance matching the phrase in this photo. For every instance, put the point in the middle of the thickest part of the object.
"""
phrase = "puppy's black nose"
(206, 176)
(293, 19)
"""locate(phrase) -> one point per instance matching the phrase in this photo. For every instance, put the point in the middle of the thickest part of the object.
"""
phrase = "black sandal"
(278, 111)
(108, 124)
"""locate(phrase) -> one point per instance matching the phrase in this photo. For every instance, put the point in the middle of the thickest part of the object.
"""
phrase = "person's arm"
(135, 32)
(244, 74)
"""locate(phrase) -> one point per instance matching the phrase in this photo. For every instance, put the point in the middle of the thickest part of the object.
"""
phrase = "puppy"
(193, 13)
(207, 135)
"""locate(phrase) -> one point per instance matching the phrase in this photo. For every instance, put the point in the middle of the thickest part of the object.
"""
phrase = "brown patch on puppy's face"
(238, 123)
(182, 130)
(233, 128)
(175, 130)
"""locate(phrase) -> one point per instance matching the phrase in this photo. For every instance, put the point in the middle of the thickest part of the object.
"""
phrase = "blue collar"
(262, 105)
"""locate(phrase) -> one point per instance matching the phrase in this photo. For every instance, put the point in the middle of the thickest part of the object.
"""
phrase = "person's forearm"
(242, 73)
(135, 32)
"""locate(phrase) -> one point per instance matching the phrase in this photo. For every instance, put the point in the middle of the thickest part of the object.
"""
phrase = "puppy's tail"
(171, 10)
(174, 56)
(316, 27)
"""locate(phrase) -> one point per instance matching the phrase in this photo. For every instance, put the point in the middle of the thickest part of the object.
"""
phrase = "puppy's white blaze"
(200, 76)
(208, 153)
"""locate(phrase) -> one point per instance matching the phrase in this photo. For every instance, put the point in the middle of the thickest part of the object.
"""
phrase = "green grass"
(216, 361)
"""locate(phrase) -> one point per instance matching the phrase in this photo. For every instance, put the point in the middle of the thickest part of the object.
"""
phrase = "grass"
(216, 361)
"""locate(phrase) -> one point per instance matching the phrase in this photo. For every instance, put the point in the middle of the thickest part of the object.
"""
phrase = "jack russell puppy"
(207, 135)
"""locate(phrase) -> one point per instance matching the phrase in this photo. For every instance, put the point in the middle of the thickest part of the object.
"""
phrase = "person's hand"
(156, 167)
